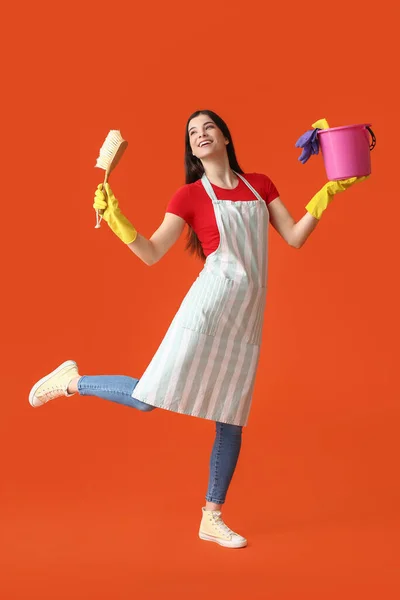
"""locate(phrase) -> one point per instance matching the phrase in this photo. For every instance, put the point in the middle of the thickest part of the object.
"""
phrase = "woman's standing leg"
(224, 457)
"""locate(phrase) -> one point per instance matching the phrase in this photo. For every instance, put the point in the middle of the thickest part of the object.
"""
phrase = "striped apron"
(206, 364)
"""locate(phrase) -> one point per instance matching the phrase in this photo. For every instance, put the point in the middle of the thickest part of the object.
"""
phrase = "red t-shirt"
(193, 204)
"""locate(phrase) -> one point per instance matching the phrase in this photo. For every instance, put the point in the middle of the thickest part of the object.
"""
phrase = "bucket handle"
(373, 141)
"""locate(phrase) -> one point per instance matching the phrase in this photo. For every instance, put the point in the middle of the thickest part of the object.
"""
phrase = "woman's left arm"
(295, 234)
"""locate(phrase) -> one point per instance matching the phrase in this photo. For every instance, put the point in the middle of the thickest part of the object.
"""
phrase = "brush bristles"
(109, 149)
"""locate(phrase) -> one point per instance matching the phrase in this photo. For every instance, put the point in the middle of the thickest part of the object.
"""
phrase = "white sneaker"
(53, 385)
(213, 529)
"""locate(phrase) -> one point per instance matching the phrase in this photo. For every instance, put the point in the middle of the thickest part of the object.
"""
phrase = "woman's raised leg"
(117, 388)
(66, 381)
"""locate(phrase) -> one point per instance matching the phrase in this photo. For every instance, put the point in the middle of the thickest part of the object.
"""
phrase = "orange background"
(99, 501)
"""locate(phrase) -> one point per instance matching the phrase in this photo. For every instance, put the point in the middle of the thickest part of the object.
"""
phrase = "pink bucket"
(346, 151)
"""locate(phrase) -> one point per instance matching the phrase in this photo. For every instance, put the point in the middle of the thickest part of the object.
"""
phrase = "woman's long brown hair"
(194, 170)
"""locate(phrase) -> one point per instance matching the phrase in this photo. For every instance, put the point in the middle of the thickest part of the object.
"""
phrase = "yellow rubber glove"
(320, 201)
(112, 215)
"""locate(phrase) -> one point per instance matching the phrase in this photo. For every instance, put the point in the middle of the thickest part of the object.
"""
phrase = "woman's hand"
(335, 187)
(106, 201)
(321, 200)
(100, 201)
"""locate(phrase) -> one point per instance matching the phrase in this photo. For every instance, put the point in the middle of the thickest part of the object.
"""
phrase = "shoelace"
(221, 525)
(52, 392)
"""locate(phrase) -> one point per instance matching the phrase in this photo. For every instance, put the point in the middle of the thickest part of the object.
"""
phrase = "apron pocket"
(205, 303)
(254, 330)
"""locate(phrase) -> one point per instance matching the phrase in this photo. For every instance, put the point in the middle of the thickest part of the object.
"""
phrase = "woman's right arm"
(150, 251)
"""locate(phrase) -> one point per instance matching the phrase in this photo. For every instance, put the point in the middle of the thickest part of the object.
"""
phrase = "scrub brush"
(110, 154)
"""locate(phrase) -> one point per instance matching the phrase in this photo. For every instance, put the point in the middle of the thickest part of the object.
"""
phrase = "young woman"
(207, 362)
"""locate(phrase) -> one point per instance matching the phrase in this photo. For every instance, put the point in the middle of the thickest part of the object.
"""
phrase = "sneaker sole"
(209, 538)
(67, 363)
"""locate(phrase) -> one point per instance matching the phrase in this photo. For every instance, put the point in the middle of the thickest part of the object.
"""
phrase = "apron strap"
(208, 187)
(257, 195)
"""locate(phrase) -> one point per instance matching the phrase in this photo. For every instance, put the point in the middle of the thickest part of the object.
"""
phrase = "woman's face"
(206, 139)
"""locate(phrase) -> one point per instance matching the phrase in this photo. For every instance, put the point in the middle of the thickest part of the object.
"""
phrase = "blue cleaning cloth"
(309, 143)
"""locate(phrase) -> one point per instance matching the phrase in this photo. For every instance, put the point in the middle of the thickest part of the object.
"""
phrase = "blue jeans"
(228, 438)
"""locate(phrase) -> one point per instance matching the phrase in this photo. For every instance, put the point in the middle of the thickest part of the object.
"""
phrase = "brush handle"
(100, 212)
